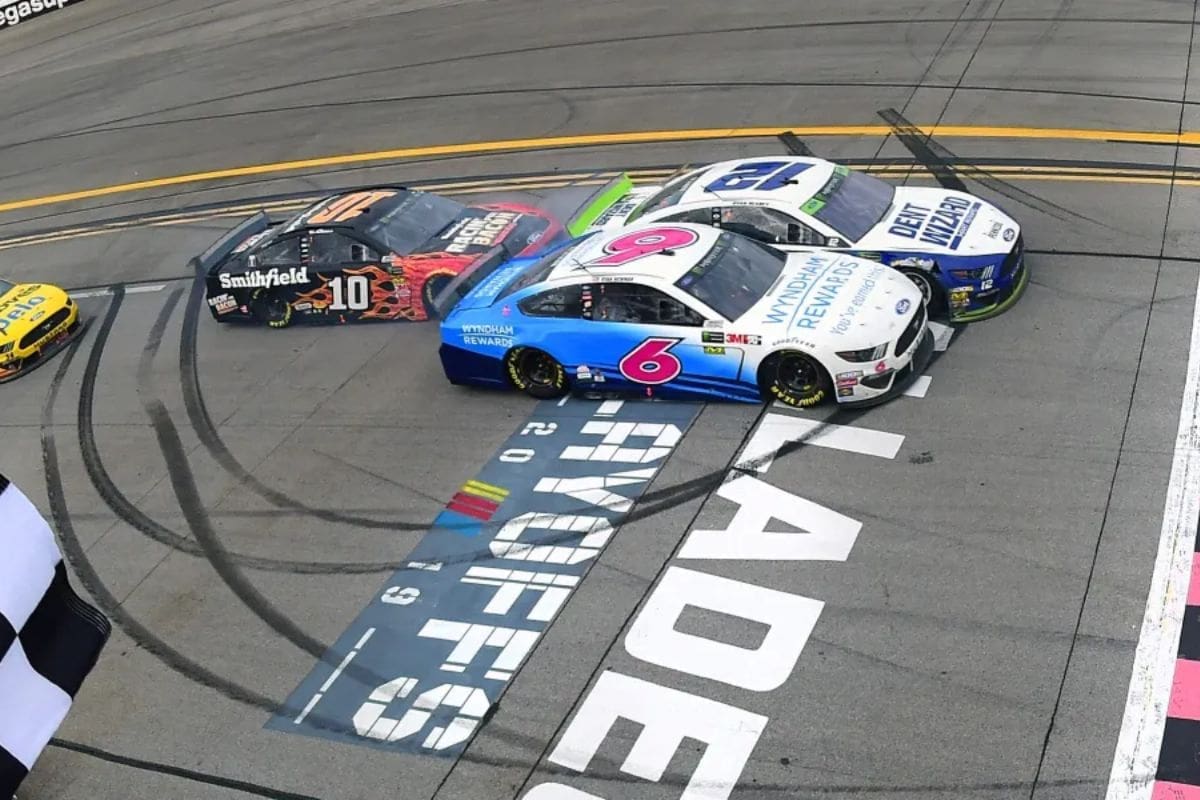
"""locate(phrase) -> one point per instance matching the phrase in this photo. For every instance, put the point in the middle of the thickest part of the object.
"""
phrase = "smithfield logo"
(265, 279)
(903, 306)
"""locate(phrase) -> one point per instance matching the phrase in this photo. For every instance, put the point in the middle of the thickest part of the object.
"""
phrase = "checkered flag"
(49, 637)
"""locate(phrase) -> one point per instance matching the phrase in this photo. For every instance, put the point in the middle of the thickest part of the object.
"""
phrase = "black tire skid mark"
(206, 430)
(81, 565)
(940, 161)
(124, 508)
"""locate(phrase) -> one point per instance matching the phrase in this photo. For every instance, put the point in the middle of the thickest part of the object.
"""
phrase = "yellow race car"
(36, 321)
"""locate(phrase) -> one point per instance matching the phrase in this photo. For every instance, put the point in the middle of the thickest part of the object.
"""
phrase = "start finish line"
(422, 666)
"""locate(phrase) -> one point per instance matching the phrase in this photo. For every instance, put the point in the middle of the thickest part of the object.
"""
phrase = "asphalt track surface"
(977, 643)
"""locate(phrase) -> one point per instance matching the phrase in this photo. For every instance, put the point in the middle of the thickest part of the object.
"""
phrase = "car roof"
(615, 255)
(816, 172)
(338, 210)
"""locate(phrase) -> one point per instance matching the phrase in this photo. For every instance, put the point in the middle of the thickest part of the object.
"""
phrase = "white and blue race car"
(963, 253)
(687, 311)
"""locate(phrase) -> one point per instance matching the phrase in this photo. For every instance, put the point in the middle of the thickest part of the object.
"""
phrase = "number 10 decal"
(652, 362)
(350, 292)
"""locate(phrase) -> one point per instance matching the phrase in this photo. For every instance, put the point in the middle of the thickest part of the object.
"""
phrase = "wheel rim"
(797, 376)
(922, 283)
(538, 369)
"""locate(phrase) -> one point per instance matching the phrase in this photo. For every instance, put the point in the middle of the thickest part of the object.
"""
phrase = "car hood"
(834, 299)
(933, 220)
(25, 305)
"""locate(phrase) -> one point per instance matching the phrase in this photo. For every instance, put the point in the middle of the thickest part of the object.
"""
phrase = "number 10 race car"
(688, 311)
(36, 321)
(374, 254)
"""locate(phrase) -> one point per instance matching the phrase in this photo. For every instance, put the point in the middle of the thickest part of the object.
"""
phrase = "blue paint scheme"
(577, 342)
(445, 584)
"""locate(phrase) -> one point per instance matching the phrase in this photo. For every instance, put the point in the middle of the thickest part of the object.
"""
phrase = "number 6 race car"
(373, 254)
(687, 311)
(966, 255)
(36, 321)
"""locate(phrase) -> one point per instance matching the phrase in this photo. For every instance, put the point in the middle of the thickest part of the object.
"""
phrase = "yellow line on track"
(602, 139)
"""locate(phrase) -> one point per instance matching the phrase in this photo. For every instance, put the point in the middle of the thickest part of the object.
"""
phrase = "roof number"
(762, 176)
(639, 244)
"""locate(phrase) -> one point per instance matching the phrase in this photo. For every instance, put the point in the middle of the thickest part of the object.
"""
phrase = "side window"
(632, 302)
(768, 225)
(331, 248)
(699, 216)
(282, 253)
(566, 301)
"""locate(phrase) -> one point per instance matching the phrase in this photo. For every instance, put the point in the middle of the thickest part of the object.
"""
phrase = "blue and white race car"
(965, 254)
(690, 312)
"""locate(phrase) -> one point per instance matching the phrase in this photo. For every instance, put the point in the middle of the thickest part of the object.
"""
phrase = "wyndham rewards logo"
(903, 306)
(14, 11)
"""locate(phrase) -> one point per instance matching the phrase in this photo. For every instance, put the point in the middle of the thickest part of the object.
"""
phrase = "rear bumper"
(468, 368)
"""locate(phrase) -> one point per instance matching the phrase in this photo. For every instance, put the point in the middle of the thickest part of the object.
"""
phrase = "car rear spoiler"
(219, 250)
(462, 284)
(597, 203)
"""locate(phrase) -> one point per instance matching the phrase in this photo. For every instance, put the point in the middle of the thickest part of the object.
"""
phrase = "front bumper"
(903, 377)
(975, 306)
(12, 370)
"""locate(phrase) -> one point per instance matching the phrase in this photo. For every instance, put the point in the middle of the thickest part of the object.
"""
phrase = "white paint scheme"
(788, 200)
(1136, 759)
(822, 304)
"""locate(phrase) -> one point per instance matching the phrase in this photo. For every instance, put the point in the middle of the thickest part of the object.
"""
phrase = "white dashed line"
(919, 388)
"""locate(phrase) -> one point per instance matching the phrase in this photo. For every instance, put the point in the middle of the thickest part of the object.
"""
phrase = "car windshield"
(851, 203)
(666, 196)
(414, 221)
(733, 275)
(5, 287)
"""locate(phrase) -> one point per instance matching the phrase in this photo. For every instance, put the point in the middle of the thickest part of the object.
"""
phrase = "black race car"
(380, 253)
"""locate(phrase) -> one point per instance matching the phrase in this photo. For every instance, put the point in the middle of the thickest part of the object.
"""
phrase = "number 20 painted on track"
(652, 361)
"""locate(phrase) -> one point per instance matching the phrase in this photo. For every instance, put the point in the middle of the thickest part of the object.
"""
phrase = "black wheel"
(536, 373)
(271, 309)
(794, 378)
(931, 290)
(434, 285)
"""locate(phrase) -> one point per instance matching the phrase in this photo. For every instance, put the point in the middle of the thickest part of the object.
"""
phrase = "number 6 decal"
(652, 362)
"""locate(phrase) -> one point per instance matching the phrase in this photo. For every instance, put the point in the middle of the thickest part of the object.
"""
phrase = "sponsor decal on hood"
(943, 225)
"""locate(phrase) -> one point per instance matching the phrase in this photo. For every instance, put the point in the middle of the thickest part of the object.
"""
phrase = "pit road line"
(610, 139)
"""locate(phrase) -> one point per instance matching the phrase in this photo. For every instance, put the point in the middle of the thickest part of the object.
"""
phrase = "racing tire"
(795, 379)
(931, 290)
(271, 309)
(434, 285)
(536, 373)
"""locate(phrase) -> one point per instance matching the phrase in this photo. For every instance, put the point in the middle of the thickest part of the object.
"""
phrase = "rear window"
(733, 275)
(416, 220)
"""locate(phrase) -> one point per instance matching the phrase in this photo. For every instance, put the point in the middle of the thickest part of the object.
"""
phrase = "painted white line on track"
(1136, 759)
(942, 334)
(777, 430)
(919, 388)
(158, 287)
(316, 698)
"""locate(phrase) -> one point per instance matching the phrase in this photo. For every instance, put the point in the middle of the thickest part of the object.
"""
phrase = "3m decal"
(761, 176)
(433, 652)
(652, 362)
(639, 244)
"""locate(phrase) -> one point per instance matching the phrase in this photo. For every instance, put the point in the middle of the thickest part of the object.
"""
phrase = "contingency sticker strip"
(423, 665)
(1178, 776)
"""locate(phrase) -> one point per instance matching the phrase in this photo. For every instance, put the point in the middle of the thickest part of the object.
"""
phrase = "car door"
(655, 342)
